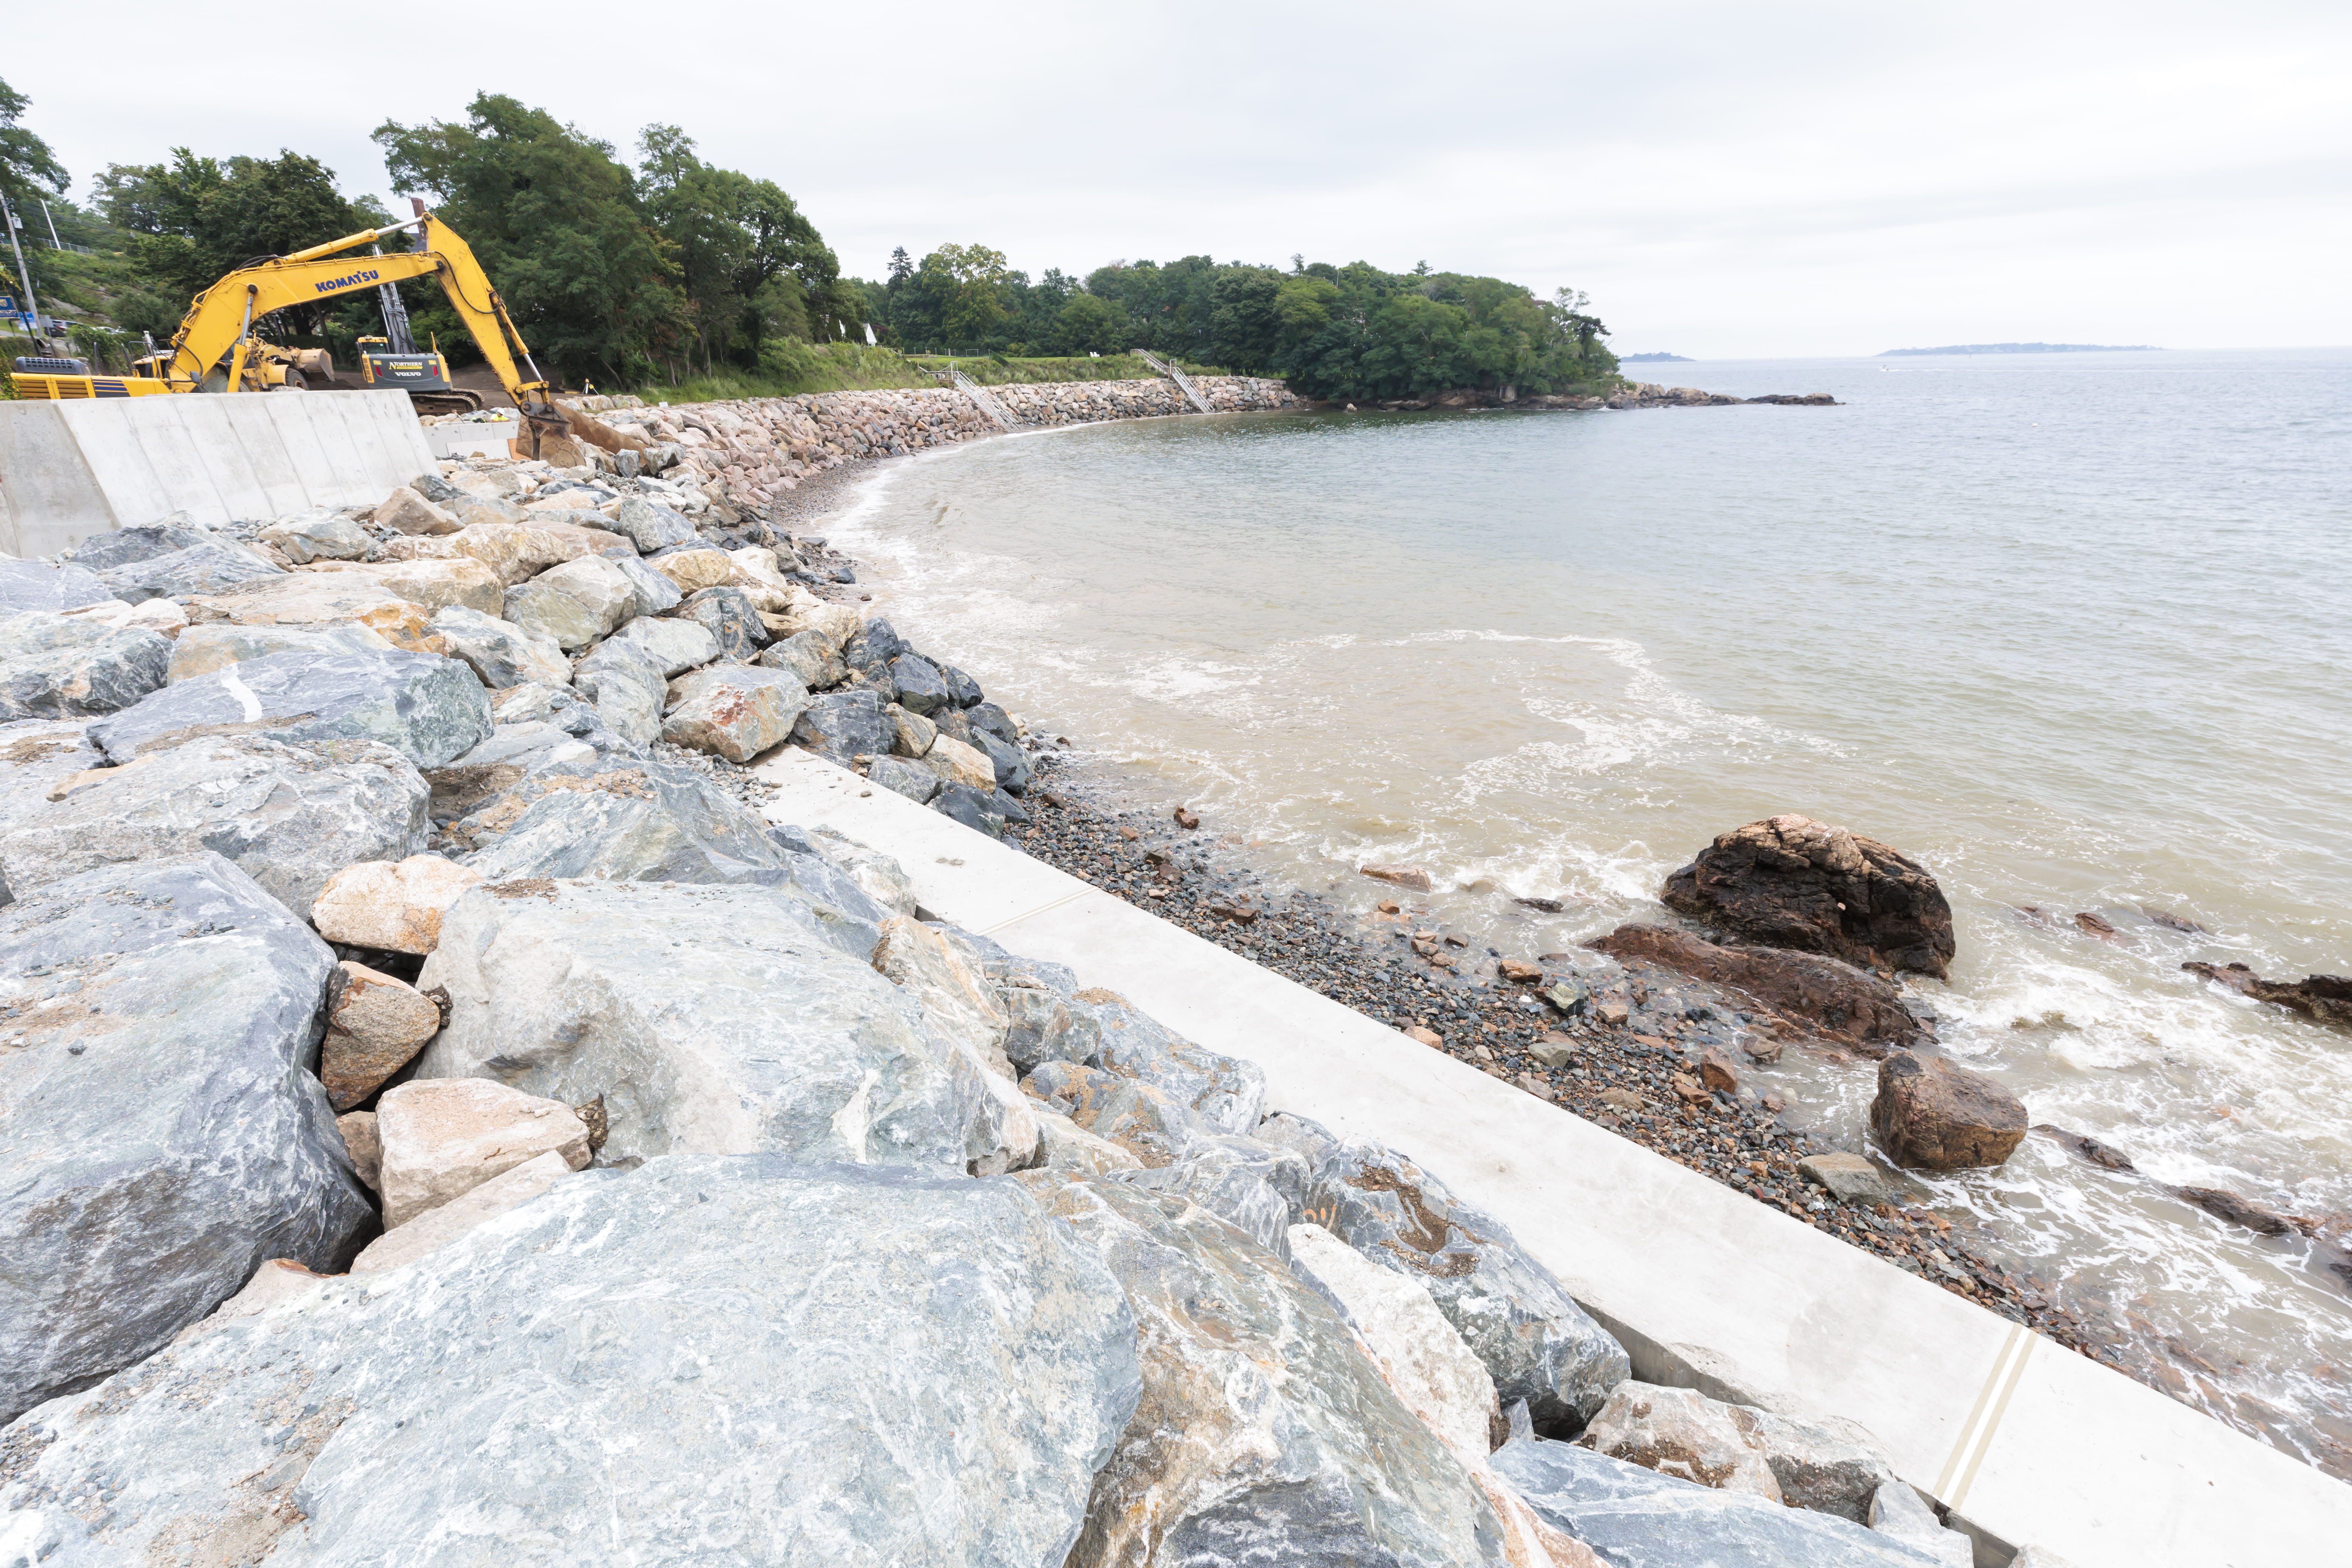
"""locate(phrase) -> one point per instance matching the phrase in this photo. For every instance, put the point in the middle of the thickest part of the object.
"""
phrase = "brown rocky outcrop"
(1819, 996)
(1932, 1115)
(2325, 998)
(1790, 881)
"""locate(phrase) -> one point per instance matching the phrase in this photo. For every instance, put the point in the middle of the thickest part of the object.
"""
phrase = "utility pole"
(32, 306)
(54, 243)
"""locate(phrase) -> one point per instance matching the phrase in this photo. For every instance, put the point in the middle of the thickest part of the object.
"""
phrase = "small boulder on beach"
(1931, 1114)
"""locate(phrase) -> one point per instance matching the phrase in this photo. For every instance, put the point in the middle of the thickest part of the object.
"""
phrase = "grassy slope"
(991, 371)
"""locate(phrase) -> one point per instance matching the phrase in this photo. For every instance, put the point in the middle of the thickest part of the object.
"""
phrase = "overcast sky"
(1726, 180)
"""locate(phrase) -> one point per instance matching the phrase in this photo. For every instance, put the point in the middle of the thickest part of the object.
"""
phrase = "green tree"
(1087, 324)
(193, 220)
(29, 169)
(969, 280)
(558, 223)
(752, 268)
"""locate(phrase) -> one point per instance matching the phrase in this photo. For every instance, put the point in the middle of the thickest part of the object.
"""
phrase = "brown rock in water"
(1932, 1115)
(2084, 1147)
(1790, 881)
(1412, 877)
(1821, 996)
(2170, 921)
(374, 1027)
(2325, 998)
(2094, 925)
(2235, 1210)
(1186, 819)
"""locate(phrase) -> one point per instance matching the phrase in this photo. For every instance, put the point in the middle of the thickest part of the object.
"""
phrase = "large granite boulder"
(1637, 1517)
(733, 711)
(624, 679)
(1537, 1343)
(499, 653)
(122, 546)
(1226, 1184)
(675, 645)
(622, 821)
(1824, 996)
(1227, 1094)
(317, 536)
(37, 585)
(214, 566)
(289, 816)
(161, 1135)
(841, 725)
(430, 709)
(574, 604)
(712, 1019)
(1262, 1434)
(1932, 1115)
(58, 667)
(649, 527)
(318, 599)
(730, 617)
(709, 1360)
(1790, 881)
(200, 650)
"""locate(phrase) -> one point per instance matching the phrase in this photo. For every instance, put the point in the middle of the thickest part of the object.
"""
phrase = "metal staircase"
(980, 398)
(1178, 377)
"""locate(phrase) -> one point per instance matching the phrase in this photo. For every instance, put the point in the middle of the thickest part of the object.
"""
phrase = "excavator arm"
(215, 337)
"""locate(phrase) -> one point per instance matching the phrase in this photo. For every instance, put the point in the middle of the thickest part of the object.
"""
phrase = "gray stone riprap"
(30, 586)
(1639, 1518)
(201, 650)
(288, 816)
(215, 566)
(499, 652)
(160, 1133)
(58, 667)
(1537, 1343)
(618, 820)
(428, 709)
(124, 546)
(712, 1019)
(1226, 1094)
(628, 681)
(680, 1364)
(1262, 1434)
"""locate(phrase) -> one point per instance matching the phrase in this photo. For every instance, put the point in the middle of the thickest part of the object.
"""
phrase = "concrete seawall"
(71, 470)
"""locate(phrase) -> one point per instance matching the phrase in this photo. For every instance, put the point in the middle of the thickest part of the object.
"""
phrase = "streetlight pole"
(32, 306)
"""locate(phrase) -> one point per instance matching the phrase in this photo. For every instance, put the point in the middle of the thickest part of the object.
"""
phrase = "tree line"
(630, 273)
(1332, 331)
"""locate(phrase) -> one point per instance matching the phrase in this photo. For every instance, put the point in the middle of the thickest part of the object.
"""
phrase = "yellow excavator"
(216, 350)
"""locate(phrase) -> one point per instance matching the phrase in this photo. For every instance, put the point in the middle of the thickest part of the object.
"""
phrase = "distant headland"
(1661, 359)
(2013, 349)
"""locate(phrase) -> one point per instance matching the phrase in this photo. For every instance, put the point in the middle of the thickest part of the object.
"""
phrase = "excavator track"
(457, 400)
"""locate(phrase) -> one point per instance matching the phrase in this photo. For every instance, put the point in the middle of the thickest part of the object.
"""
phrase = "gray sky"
(1726, 180)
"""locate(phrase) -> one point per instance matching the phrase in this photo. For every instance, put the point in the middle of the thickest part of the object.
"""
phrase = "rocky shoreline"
(441, 1107)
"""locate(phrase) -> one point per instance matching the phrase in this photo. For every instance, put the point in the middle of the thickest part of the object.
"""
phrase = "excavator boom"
(215, 345)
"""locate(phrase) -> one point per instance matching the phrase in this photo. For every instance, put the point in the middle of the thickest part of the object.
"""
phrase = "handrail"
(1178, 377)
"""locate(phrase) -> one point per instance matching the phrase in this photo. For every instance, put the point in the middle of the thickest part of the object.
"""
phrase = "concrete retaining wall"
(71, 470)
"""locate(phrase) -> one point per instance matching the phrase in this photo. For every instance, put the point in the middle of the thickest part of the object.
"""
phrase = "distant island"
(2010, 349)
(1677, 359)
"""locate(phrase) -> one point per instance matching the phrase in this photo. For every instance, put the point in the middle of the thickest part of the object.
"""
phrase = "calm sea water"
(2074, 631)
